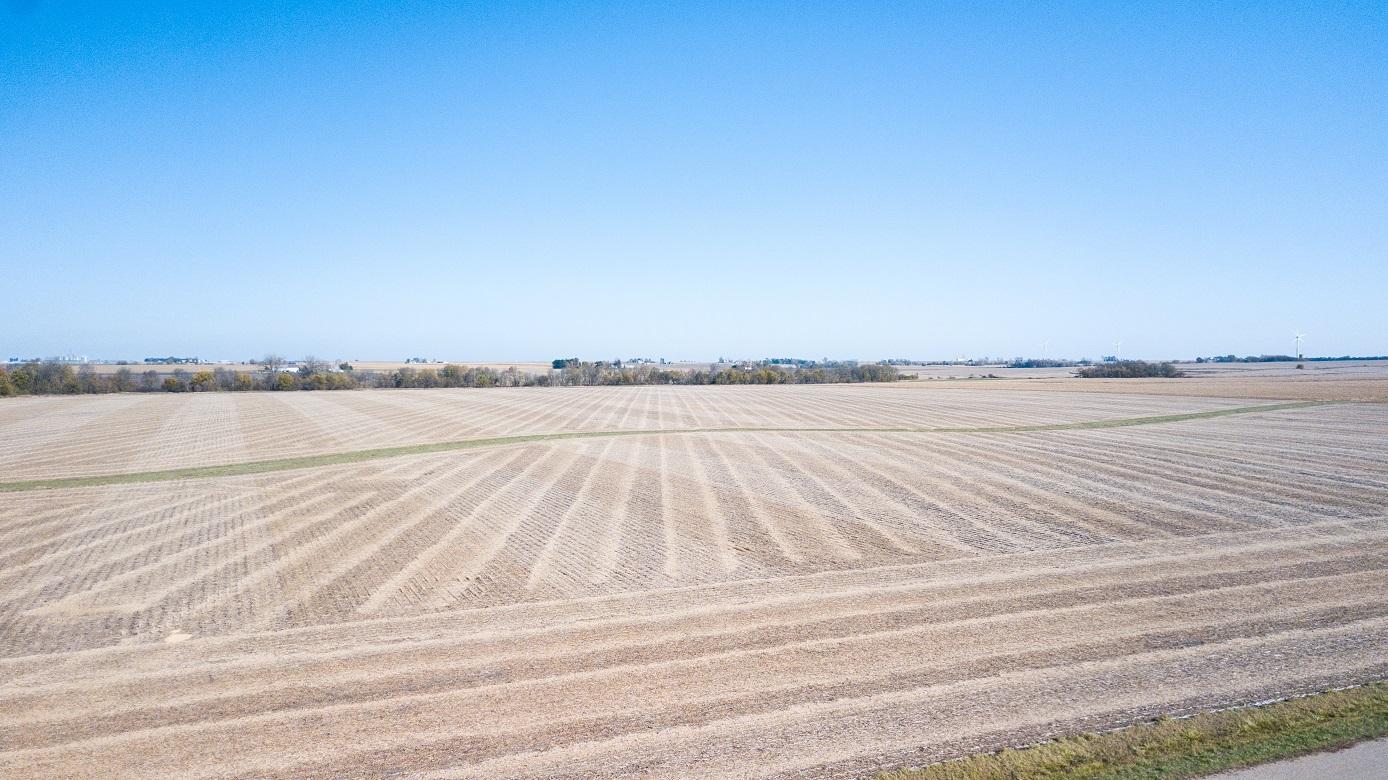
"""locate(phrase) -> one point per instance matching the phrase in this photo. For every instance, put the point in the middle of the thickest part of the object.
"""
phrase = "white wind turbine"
(1297, 337)
(1117, 347)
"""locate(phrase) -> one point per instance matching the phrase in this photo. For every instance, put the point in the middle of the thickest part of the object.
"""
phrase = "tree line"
(571, 371)
(1130, 369)
(54, 378)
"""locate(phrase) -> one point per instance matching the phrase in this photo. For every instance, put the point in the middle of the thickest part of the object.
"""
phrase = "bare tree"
(272, 362)
(311, 365)
(123, 381)
(224, 379)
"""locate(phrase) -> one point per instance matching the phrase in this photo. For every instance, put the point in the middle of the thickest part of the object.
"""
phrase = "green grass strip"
(357, 456)
(1174, 749)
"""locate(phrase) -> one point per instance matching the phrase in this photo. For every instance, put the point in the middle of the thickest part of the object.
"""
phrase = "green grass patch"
(357, 456)
(1170, 749)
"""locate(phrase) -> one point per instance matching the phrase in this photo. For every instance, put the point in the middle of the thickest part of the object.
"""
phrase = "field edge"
(1186, 747)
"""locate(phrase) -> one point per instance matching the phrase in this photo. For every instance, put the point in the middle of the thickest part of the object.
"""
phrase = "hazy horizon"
(726, 357)
(531, 182)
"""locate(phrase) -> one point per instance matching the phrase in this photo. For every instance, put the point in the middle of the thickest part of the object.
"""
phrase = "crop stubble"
(740, 603)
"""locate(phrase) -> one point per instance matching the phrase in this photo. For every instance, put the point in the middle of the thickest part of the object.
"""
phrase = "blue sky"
(523, 181)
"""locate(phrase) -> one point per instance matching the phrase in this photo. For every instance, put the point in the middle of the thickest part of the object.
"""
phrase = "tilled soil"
(63, 436)
(691, 604)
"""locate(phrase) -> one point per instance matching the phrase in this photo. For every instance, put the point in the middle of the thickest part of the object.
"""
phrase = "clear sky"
(524, 181)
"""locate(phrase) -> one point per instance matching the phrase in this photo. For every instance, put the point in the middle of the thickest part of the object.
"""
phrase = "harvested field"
(55, 436)
(672, 602)
(1323, 381)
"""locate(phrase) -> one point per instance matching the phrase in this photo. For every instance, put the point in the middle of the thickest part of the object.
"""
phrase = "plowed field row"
(836, 673)
(66, 436)
(744, 603)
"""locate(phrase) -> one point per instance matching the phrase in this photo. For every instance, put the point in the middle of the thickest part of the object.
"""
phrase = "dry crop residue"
(682, 604)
